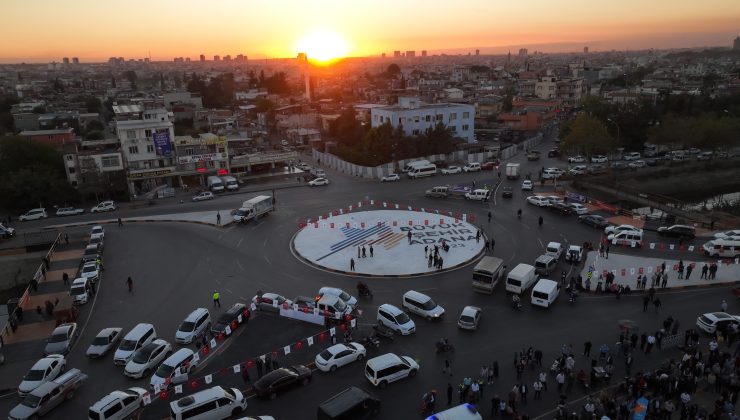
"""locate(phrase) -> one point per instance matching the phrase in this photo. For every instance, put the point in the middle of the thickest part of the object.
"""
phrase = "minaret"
(303, 62)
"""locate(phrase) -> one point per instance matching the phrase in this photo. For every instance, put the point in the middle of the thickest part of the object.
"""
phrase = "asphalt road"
(176, 267)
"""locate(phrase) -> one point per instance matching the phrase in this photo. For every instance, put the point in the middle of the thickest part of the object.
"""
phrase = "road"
(176, 267)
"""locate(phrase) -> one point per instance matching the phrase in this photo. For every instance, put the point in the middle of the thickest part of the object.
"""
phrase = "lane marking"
(239, 264)
(238, 244)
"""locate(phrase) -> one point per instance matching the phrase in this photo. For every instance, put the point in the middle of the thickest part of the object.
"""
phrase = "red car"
(488, 166)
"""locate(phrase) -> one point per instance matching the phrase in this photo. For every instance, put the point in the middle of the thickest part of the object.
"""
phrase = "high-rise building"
(240, 58)
(423, 53)
(585, 50)
(75, 60)
(65, 61)
(202, 58)
(216, 58)
(477, 52)
(410, 54)
(382, 55)
(227, 57)
(302, 57)
(396, 54)
(523, 52)
(736, 44)
(187, 59)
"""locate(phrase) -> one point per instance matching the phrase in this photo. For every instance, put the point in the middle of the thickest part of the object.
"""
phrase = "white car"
(339, 355)
(304, 166)
(120, 404)
(69, 211)
(632, 156)
(103, 206)
(318, 182)
(637, 164)
(554, 199)
(451, 170)
(616, 229)
(33, 214)
(716, 321)
(106, 339)
(390, 178)
(599, 159)
(552, 173)
(147, 358)
(472, 167)
(555, 250)
(578, 208)
(203, 196)
(574, 254)
(97, 231)
(730, 235)
(42, 372)
(578, 170)
(270, 302)
(90, 271)
(538, 201)
(576, 159)
(469, 318)
(527, 185)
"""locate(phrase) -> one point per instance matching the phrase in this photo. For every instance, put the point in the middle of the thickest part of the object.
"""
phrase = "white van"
(422, 305)
(194, 325)
(422, 171)
(341, 294)
(230, 183)
(554, 249)
(416, 164)
(175, 369)
(382, 370)
(80, 291)
(521, 278)
(727, 248)
(478, 195)
(141, 335)
(630, 238)
(117, 405)
(213, 403)
(545, 292)
(395, 319)
(544, 264)
(215, 184)
(487, 273)
(461, 412)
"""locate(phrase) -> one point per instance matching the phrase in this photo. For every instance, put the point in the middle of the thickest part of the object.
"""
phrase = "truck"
(230, 183)
(215, 184)
(254, 208)
(512, 170)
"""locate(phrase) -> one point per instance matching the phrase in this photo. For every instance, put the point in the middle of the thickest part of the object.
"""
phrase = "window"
(71, 170)
(453, 128)
(428, 118)
(453, 116)
(112, 410)
(148, 133)
(110, 161)
(466, 114)
(440, 117)
(130, 134)
(415, 132)
(416, 118)
(465, 127)
(70, 157)
(189, 151)
(199, 410)
(400, 121)
(150, 148)
(132, 150)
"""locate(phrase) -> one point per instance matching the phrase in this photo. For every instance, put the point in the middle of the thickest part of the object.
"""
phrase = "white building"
(415, 117)
(146, 144)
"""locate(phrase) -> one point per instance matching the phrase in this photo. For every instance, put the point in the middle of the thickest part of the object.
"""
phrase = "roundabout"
(394, 243)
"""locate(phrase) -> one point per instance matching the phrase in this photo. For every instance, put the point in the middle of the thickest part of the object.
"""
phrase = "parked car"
(488, 166)
(554, 249)
(147, 358)
(69, 211)
(527, 185)
(98, 242)
(118, 404)
(303, 166)
(318, 182)
(637, 164)
(616, 229)
(553, 153)
(596, 169)
(6, 232)
(705, 156)
(578, 208)
(44, 370)
(507, 192)
(270, 302)
(230, 319)
(272, 383)
(61, 339)
(91, 271)
(560, 208)
(716, 321)
(469, 318)
(729, 235)
(103, 206)
(472, 167)
(618, 166)
(33, 214)
(49, 395)
(678, 231)
(632, 156)
(599, 159)
(576, 159)
(339, 355)
(97, 231)
(574, 254)
(390, 178)
(538, 201)
(594, 220)
(203, 196)
(578, 170)
(106, 339)
(451, 170)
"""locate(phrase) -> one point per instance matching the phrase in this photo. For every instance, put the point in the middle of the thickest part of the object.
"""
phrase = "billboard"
(162, 143)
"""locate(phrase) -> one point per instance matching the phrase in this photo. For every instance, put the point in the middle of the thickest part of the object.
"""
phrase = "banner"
(162, 143)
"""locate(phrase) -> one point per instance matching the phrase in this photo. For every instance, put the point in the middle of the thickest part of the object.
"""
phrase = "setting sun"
(323, 46)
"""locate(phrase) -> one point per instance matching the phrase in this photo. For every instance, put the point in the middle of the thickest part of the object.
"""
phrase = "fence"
(377, 172)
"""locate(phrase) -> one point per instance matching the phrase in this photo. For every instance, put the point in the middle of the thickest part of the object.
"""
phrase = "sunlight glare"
(323, 45)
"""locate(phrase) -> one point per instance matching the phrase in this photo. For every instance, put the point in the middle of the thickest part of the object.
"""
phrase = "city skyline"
(166, 29)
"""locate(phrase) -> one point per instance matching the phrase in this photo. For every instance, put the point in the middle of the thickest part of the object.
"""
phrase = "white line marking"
(238, 244)
(239, 265)
(229, 290)
(540, 241)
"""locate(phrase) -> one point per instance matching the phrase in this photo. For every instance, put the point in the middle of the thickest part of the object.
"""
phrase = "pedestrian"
(650, 343)
(260, 363)
(662, 267)
(65, 278)
(537, 386)
(543, 379)
(477, 236)
(538, 357)
(218, 217)
(712, 270)
(680, 269)
(643, 341)
(441, 263)
(523, 393)
(352, 264)
(664, 283)
(120, 222)
(704, 270)
(19, 313)
(607, 251)
(449, 394)
(268, 363)
(644, 282)
(723, 305)
(216, 299)
(130, 284)
(426, 249)
(493, 243)
(560, 379)
(651, 293)
(448, 367)
(657, 304)
(494, 405)
(359, 252)
(245, 375)
(490, 374)
(364, 254)
(628, 363)
(689, 269)
(645, 302)
(601, 250)
(275, 364)
(371, 251)
(431, 260)
(587, 349)
(540, 221)
(489, 217)
(66, 239)
(408, 235)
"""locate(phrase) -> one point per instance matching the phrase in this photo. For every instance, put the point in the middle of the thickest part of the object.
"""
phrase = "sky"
(93, 30)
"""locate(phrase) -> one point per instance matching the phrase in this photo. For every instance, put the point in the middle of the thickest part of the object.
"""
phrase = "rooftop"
(47, 132)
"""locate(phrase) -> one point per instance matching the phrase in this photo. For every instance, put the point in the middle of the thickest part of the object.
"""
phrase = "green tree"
(130, 75)
(392, 71)
(93, 104)
(94, 135)
(588, 135)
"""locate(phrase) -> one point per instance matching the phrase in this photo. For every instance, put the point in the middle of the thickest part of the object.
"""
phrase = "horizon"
(169, 29)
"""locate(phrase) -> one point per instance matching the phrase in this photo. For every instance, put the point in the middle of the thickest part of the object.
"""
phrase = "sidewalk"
(202, 217)
(626, 268)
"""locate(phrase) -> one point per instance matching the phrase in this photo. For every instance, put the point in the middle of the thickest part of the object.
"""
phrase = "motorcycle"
(572, 298)
(371, 341)
(516, 303)
(364, 291)
(443, 346)
(428, 402)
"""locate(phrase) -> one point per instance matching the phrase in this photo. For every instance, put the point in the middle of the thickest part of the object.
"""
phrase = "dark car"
(678, 231)
(488, 166)
(230, 318)
(594, 220)
(553, 153)
(281, 380)
(507, 192)
(560, 208)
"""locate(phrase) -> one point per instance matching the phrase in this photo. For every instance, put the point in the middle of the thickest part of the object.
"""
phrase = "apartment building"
(415, 117)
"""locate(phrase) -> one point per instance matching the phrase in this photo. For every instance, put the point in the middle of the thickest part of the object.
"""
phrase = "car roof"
(44, 363)
(195, 314)
(106, 331)
(555, 244)
(235, 309)
(470, 310)
(390, 308)
(64, 328)
(719, 316)
(383, 359)
(337, 348)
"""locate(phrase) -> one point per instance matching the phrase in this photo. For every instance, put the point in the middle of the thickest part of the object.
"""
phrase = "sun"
(323, 46)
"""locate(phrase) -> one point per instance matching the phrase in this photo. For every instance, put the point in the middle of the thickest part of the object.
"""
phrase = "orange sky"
(46, 30)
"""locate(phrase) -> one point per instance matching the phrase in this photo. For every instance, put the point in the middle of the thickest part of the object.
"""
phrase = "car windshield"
(224, 319)
(97, 231)
(34, 375)
(340, 306)
(88, 269)
(326, 355)
(142, 356)
(230, 393)
(100, 341)
(165, 371)
(402, 318)
(345, 296)
(31, 401)
(429, 305)
(466, 318)
(58, 338)
(128, 345)
(76, 291)
(187, 326)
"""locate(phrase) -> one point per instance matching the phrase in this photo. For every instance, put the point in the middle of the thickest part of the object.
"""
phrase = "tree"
(130, 75)
(589, 136)
(94, 135)
(92, 104)
(392, 71)
(95, 125)
(507, 104)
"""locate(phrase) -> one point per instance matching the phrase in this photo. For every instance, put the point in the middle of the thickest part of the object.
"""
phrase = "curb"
(687, 287)
(136, 221)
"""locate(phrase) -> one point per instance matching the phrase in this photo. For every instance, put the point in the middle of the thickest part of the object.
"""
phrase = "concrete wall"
(377, 172)
(18, 269)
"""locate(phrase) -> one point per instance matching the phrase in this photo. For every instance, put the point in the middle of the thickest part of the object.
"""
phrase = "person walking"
(408, 235)
(540, 221)
(66, 239)
(65, 278)
(216, 299)
(704, 271)
(493, 243)
(537, 386)
(664, 283)
(607, 251)
(645, 303)
(587, 349)
(352, 264)
(680, 269)
(448, 367)
(359, 252)
(628, 363)
(120, 222)
(560, 379)
(689, 269)
(543, 380)
(371, 251)
(130, 284)
(489, 217)
(364, 253)
(245, 375)
(657, 304)
(723, 305)
(260, 363)
(650, 343)
(523, 393)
